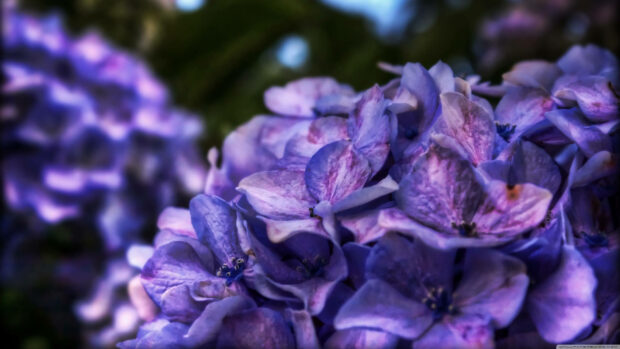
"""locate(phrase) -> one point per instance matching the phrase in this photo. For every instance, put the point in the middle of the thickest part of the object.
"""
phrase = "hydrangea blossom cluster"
(88, 132)
(410, 214)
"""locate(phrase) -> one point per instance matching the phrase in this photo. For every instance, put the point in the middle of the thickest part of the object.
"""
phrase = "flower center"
(465, 229)
(439, 301)
(595, 240)
(232, 272)
(310, 268)
(505, 130)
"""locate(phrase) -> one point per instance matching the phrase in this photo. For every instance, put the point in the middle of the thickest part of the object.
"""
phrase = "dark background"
(218, 60)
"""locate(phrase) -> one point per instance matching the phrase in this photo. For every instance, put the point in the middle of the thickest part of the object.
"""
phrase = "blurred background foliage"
(218, 56)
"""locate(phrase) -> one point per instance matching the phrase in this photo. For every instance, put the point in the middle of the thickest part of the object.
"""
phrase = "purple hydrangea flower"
(90, 133)
(415, 213)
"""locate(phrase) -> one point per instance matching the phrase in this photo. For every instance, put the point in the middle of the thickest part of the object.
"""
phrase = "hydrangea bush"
(413, 214)
(88, 133)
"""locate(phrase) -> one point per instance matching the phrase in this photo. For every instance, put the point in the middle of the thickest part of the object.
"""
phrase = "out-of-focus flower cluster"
(413, 213)
(525, 28)
(88, 133)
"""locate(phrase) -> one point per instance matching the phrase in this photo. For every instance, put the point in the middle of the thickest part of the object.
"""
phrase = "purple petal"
(358, 338)
(589, 138)
(178, 305)
(174, 264)
(588, 60)
(305, 334)
(531, 164)
(364, 226)
(216, 181)
(209, 324)
(369, 127)
(356, 255)
(509, 210)
(299, 97)
(469, 124)
(443, 76)
(215, 223)
(255, 328)
(600, 165)
(396, 220)
(595, 96)
(256, 145)
(522, 108)
(535, 73)
(442, 189)
(410, 267)
(379, 306)
(177, 220)
(321, 132)
(365, 195)
(463, 331)
(279, 231)
(493, 285)
(563, 305)
(336, 171)
(278, 194)
(421, 84)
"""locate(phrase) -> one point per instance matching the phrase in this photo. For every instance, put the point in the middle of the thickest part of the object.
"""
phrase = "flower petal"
(563, 305)
(379, 306)
(255, 328)
(336, 171)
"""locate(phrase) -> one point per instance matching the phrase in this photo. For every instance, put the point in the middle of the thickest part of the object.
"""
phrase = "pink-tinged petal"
(215, 222)
(469, 124)
(364, 226)
(255, 328)
(358, 338)
(321, 132)
(209, 324)
(589, 138)
(595, 96)
(421, 84)
(298, 98)
(305, 334)
(336, 171)
(563, 305)
(278, 194)
(379, 306)
(177, 220)
(396, 220)
(369, 127)
(493, 284)
(600, 165)
(147, 310)
(279, 231)
(443, 76)
(510, 210)
(462, 332)
(522, 108)
(534, 73)
(441, 189)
